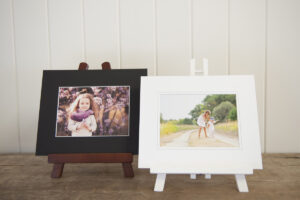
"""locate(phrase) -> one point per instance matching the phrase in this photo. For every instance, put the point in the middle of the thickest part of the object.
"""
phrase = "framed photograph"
(91, 111)
(199, 124)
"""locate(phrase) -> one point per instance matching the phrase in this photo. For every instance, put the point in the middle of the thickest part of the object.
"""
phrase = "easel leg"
(57, 170)
(160, 182)
(193, 176)
(207, 176)
(128, 171)
(241, 182)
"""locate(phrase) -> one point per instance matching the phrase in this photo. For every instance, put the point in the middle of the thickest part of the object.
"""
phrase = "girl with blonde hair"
(202, 122)
(82, 112)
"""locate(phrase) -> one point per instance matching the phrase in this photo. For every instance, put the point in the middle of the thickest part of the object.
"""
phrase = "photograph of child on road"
(198, 120)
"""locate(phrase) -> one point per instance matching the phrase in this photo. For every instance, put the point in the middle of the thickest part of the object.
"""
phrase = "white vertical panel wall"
(238, 37)
(247, 47)
(101, 23)
(30, 20)
(283, 69)
(210, 34)
(137, 35)
(9, 124)
(66, 35)
(173, 35)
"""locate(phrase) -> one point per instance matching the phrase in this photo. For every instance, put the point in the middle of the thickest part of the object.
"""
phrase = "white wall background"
(259, 37)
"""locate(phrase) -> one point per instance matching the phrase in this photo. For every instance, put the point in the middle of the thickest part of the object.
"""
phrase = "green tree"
(185, 121)
(196, 112)
(161, 118)
(232, 115)
(221, 111)
(211, 101)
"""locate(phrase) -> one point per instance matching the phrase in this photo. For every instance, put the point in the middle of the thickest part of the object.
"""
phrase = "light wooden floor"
(28, 177)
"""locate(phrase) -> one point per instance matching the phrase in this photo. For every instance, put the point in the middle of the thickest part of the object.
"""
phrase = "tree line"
(222, 107)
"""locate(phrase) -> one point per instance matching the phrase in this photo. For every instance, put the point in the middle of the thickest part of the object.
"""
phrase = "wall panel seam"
(265, 76)
(228, 37)
(191, 29)
(155, 69)
(16, 72)
(119, 33)
(83, 31)
(49, 36)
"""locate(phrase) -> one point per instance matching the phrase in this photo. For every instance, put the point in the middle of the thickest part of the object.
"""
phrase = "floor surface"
(28, 177)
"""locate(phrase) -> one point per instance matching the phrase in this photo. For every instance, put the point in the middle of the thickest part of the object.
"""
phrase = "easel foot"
(207, 176)
(193, 176)
(241, 182)
(160, 182)
(57, 170)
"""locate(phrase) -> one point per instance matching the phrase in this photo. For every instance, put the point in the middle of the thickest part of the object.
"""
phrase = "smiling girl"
(82, 114)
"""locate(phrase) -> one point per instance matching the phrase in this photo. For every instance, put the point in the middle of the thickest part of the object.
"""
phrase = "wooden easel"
(59, 160)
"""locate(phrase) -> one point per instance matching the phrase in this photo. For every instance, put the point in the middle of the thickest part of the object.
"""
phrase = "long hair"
(206, 117)
(75, 105)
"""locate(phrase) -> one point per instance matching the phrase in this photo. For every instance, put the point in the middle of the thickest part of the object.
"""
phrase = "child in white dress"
(211, 127)
(82, 121)
(202, 122)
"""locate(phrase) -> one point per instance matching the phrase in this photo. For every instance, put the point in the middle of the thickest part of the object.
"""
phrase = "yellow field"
(171, 127)
(228, 127)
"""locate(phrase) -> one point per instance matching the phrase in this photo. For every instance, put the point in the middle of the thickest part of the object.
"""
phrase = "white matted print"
(93, 111)
(237, 150)
(198, 120)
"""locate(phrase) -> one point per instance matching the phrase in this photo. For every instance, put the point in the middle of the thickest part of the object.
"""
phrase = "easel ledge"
(59, 160)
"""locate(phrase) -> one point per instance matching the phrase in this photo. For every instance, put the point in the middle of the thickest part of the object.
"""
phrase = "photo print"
(101, 111)
(199, 120)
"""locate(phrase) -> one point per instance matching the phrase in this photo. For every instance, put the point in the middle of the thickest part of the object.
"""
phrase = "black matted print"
(93, 111)
(106, 122)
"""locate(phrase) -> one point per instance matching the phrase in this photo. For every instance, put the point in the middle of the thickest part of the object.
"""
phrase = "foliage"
(185, 121)
(195, 112)
(161, 118)
(232, 115)
(211, 101)
(221, 111)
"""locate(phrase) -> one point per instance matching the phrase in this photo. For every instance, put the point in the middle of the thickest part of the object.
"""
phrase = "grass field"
(171, 127)
(227, 127)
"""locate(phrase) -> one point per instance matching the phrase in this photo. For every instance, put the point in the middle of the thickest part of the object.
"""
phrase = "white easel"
(240, 178)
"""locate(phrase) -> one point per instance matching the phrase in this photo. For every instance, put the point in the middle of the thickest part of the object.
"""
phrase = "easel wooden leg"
(128, 171)
(160, 182)
(207, 176)
(241, 183)
(193, 176)
(57, 170)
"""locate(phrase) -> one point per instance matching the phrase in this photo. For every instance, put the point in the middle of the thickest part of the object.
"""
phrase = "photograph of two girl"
(93, 111)
(198, 120)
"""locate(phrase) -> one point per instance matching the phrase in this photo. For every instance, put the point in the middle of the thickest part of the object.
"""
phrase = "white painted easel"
(239, 178)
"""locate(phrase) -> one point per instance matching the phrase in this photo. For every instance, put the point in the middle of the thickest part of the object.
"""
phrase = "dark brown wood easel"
(59, 160)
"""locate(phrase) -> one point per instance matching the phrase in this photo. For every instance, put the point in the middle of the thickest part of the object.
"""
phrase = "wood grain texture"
(27, 177)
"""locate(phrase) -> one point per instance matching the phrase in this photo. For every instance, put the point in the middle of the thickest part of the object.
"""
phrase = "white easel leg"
(160, 182)
(193, 176)
(207, 176)
(241, 182)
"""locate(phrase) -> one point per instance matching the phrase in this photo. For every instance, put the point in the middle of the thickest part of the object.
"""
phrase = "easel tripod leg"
(57, 170)
(160, 182)
(207, 176)
(193, 176)
(127, 169)
(241, 183)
